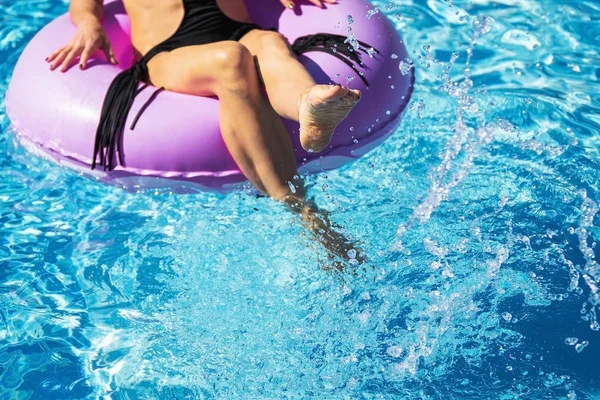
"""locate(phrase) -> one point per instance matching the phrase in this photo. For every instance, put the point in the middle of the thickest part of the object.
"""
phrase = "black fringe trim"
(117, 104)
(337, 46)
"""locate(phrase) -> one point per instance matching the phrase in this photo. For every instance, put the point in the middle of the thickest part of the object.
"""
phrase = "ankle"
(293, 202)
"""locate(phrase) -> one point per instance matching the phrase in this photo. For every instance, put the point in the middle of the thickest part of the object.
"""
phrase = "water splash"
(465, 140)
(590, 272)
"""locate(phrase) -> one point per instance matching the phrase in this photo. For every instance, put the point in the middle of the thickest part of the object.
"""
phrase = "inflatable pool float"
(56, 114)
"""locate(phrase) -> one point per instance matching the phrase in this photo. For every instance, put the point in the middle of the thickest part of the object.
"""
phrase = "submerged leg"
(294, 94)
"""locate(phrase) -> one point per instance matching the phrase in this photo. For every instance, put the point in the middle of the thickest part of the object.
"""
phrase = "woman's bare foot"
(320, 109)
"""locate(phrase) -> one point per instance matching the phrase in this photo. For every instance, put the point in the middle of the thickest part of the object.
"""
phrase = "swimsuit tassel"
(115, 109)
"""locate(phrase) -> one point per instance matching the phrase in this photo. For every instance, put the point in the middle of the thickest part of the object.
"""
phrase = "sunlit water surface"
(479, 216)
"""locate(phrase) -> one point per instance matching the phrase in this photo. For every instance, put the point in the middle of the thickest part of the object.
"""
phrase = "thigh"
(194, 69)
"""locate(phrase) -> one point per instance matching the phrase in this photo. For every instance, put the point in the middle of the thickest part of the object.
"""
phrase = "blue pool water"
(479, 216)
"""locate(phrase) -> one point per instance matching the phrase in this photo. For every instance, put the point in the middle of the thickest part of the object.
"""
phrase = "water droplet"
(507, 316)
(388, 112)
(353, 42)
(482, 24)
(505, 125)
(580, 346)
(292, 187)
(405, 66)
(350, 20)
(390, 6)
(571, 341)
(394, 351)
(372, 12)
(394, 56)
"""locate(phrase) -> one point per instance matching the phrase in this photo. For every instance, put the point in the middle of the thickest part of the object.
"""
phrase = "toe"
(351, 98)
(334, 92)
(339, 92)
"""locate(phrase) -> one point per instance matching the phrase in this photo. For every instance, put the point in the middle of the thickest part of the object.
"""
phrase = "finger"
(317, 3)
(54, 54)
(288, 4)
(85, 55)
(330, 1)
(59, 58)
(70, 58)
(108, 52)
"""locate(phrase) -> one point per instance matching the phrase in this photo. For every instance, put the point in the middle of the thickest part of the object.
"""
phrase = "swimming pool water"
(479, 216)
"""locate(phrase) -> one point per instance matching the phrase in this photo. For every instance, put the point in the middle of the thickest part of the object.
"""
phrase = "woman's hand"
(90, 37)
(290, 4)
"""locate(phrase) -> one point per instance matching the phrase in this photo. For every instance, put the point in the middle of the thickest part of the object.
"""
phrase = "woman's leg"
(253, 132)
(249, 126)
(294, 94)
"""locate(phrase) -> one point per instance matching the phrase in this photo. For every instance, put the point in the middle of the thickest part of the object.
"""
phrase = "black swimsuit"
(203, 22)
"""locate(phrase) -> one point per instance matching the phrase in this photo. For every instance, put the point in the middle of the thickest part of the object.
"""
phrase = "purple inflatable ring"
(56, 114)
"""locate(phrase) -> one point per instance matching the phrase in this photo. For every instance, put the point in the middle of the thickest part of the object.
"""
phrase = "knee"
(232, 59)
(273, 44)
